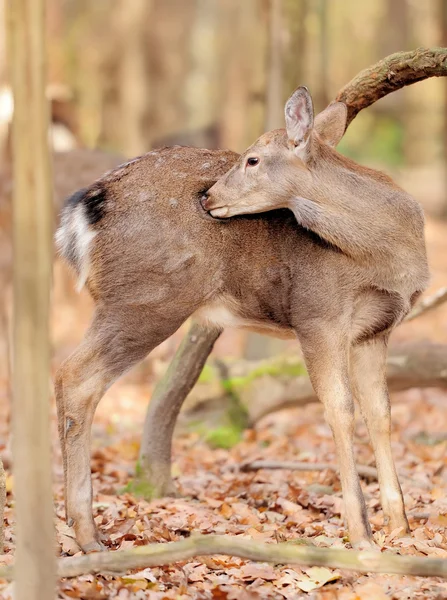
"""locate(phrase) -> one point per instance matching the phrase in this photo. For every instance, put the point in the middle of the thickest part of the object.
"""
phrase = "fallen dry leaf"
(316, 577)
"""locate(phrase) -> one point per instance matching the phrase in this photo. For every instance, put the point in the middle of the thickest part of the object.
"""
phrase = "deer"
(336, 262)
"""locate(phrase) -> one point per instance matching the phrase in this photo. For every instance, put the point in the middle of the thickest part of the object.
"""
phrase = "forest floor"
(271, 506)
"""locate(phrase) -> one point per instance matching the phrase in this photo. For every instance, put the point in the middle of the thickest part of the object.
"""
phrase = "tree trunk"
(202, 73)
(243, 83)
(275, 101)
(323, 79)
(32, 224)
(295, 19)
(134, 89)
(443, 24)
(154, 472)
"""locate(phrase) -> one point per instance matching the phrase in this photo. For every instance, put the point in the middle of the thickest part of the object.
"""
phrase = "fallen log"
(364, 471)
(288, 553)
(266, 386)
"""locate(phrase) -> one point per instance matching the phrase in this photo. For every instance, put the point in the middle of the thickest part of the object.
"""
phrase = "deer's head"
(279, 163)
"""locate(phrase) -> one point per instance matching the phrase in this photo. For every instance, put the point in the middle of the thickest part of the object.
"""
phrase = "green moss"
(236, 418)
(208, 374)
(237, 414)
(272, 369)
(140, 488)
(299, 542)
(224, 437)
(138, 469)
(425, 438)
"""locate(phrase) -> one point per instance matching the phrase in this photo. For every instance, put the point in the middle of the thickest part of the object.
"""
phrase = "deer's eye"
(252, 162)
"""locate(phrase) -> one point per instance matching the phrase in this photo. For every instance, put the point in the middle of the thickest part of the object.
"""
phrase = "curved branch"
(389, 75)
(427, 304)
(156, 555)
(370, 561)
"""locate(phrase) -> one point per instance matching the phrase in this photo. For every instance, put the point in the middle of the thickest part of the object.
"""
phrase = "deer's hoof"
(365, 545)
(93, 546)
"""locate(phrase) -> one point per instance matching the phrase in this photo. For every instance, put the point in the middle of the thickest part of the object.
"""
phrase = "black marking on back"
(76, 198)
(93, 199)
(95, 202)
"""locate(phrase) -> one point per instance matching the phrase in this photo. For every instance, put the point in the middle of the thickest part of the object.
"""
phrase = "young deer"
(339, 279)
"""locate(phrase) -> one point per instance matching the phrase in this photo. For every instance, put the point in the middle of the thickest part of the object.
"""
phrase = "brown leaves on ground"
(271, 506)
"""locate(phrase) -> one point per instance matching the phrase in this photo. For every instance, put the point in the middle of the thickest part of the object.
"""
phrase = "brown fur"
(339, 281)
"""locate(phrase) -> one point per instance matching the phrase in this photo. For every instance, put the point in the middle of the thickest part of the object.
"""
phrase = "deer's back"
(154, 246)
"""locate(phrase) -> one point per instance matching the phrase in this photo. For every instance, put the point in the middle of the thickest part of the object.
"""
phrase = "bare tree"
(295, 18)
(323, 95)
(443, 23)
(133, 76)
(275, 100)
(243, 30)
(35, 563)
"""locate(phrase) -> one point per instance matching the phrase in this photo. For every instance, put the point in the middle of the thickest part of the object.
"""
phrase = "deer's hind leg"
(117, 339)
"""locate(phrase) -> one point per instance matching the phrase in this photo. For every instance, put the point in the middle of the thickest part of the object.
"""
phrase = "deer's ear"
(330, 124)
(299, 112)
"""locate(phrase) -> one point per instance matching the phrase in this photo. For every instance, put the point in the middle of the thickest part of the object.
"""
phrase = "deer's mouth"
(219, 213)
(208, 212)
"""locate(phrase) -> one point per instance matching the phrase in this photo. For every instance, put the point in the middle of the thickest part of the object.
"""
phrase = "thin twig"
(419, 516)
(155, 555)
(427, 304)
(256, 465)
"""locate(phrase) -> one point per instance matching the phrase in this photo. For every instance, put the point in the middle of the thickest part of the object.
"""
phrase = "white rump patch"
(73, 240)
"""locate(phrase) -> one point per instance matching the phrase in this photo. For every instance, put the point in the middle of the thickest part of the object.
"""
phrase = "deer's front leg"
(368, 375)
(326, 354)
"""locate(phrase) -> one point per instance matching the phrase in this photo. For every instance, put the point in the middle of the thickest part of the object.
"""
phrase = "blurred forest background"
(126, 76)
(129, 75)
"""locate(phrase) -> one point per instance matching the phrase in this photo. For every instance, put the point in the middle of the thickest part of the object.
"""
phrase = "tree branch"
(390, 74)
(256, 465)
(155, 555)
(427, 304)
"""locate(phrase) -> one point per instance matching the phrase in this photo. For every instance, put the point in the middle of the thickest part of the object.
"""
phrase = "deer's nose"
(205, 200)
